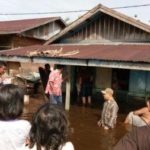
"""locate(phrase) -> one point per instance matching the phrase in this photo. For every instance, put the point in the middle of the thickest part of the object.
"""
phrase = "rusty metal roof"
(119, 52)
(18, 26)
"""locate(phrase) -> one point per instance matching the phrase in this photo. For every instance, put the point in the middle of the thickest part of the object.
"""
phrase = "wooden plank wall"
(106, 28)
(5, 41)
(44, 31)
(103, 78)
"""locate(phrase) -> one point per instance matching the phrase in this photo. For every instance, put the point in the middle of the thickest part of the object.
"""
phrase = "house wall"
(12, 41)
(19, 41)
(45, 31)
(140, 78)
(103, 78)
(5, 41)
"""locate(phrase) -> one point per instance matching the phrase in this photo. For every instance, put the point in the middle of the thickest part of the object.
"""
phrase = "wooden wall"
(45, 31)
(104, 28)
(20, 41)
(5, 42)
(12, 41)
(103, 78)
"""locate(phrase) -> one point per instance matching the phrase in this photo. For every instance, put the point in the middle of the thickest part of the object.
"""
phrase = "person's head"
(108, 94)
(60, 67)
(148, 103)
(49, 127)
(11, 102)
(47, 67)
(2, 68)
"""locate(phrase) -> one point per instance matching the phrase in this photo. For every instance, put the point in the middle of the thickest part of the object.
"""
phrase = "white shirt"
(66, 146)
(13, 134)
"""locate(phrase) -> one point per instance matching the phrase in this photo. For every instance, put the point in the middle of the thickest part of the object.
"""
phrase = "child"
(49, 129)
(13, 131)
(109, 112)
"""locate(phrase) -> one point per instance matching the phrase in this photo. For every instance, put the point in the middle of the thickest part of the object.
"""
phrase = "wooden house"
(19, 33)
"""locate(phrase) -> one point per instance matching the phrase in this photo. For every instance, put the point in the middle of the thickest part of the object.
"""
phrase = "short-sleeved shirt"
(13, 134)
(56, 80)
(109, 113)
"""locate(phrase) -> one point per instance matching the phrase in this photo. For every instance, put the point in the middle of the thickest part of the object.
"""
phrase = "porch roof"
(81, 54)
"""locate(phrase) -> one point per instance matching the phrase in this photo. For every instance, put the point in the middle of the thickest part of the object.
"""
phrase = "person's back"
(13, 132)
(137, 139)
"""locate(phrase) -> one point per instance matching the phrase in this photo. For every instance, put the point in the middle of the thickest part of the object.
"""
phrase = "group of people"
(48, 130)
(49, 127)
(139, 137)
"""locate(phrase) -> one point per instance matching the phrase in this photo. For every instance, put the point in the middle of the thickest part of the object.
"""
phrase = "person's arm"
(101, 121)
(114, 111)
(140, 111)
(51, 80)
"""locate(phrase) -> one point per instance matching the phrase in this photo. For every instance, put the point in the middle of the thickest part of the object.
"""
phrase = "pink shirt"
(54, 83)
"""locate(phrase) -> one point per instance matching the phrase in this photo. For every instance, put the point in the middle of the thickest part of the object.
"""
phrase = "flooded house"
(114, 46)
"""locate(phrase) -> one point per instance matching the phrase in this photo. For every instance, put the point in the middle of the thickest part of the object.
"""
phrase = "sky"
(8, 7)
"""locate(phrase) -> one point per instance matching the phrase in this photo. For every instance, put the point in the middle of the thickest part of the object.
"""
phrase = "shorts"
(86, 90)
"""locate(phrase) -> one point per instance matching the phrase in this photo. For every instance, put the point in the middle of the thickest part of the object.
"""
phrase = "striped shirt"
(109, 113)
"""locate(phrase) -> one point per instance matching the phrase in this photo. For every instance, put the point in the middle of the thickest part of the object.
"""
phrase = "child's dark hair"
(11, 102)
(49, 127)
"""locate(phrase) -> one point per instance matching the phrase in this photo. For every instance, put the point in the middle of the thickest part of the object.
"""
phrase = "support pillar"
(68, 89)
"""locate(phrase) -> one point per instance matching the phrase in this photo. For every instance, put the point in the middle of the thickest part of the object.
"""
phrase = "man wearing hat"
(109, 111)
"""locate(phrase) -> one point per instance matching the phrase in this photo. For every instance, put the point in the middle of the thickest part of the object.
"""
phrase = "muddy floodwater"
(84, 132)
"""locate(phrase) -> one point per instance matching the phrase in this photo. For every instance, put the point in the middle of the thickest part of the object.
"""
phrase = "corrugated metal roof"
(120, 52)
(18, 26)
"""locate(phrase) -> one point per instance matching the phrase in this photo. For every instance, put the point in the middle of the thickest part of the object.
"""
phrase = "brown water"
(85, 134)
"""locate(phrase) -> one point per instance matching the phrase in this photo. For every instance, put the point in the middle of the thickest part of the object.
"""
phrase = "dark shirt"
(137, 139)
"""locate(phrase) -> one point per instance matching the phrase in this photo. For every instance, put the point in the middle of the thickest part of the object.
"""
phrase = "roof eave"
(80, 62)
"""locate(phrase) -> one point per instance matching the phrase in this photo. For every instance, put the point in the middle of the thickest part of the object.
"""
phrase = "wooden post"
(68, 89)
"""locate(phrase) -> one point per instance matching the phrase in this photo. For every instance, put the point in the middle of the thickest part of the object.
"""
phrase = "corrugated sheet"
(121, 52)
(17, 26)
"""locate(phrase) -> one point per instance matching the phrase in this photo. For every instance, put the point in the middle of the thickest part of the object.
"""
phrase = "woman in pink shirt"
(54, 85)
